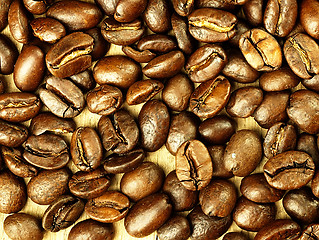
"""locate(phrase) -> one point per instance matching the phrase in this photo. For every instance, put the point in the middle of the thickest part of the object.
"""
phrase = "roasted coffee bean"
(129, 10)
(36, 7)
(261, 50)
(18, 22)
(75, 15)
(244, 101)
(23, 226)
(311, 83)
(84, 80)
(315, 184)
(193, 165)
(210, 97)
(13, 192)
(279, 229)
(90, 184)
(19, 106)
(303, 109)
(4, 9)
(148, 215)
(206, 63)
(158, 43)
(165, 66)
(307, 143)
(108, 6)
(182, 198)
(289, 170)
(243, 152)
(47, 29)
(12, 135)
(235, 236)
(86, 149)
(112, 206)
(241, 27)
(220, 4)
(217, 130)
(118, 132)
(143, 181)
(29, 68)
(48, 185)
(8, 55)
(101, 46)
(157, 16)
(46, 151)
(256, 188)
(252, 216)
(272, 109)
(142, 91)
(212, 25)
(70, 55)
(138, 56)
(218, 198)
(117, 70)
(125, 162)
(62, 97)
(104, 100)
(176, 228)
(217, 155)
(90, 229)
(205, 227)
(154, 125)
(183, 7)
(253, 11)
(302, 55)
(308, 20)
(47, 122)
(311, 232)
(122, 33)
(62, 213)
(13, 159)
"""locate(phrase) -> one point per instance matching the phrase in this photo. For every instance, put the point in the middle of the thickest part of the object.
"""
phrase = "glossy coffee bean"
(315, 184)
(158, 43)
(8, 55)
(308, 20)
(183, 7)
(157, 16)
(147, 215)
(143, 181)
(311, 83)
(101, 46)
(226, 5)
(253, 11)
(110, 207)
(36, 7)
(217, 155)
(310, 232)
(235, 236)
(176, 228)
(48, 185)
(4, 9)
(307, 143)
(12, 135)
(108, 6)
(138, 56)
(129, 10)
(84, 80)
(289, 170)
(193, 165)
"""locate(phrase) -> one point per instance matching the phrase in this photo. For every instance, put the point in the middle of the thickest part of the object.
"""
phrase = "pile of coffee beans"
(178, 119)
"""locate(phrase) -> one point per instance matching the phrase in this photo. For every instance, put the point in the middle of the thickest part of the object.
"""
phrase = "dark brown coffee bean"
(183, 7)
(212, 25)
(218, 198)
(253, 11)
(303, 109)
(243, 152)
(36, 7)
(218, 129)
(84, 80)
(75, 15)
(48, 29)
(18, 22)
(46, 151)
(307, 143)
(158, 43)
(108, 6)
(205, 227)
(143, 181)
(4, 9)
(272, 109)
(308, 20)
(261, 50)
(8, 55)
(165, 66)
(252, 216)
(29, 68)
(311, 232)
(13, 192)
(182, 199)
(142, 91)
(157, 16)
(122, 33)
(235, 236)
(12, 135)
(138, 56)
(194, 166)
(13, 159)
(311, 83)
(101, 46)
(129, 10)
(117, 70)
(125, 162)
(19, 106)
(86, 149)
(176, 228)
(23, 226)
(279, 229)
(90, 184)
(244, 101)
(289, 170)
(90, 229)
(104, 100)
(256, 188)
(148, 215)
(62, 213)
(217, 155)
(118, 132)
(48, 185)
(210, 97)
(206, 63)
(112, 206)
(154, 125)
(70, 55)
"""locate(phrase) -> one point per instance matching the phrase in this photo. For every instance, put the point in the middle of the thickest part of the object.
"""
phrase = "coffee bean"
(315, 184)
(129, 10)
(4, 9)
(235, 236)
(101, 46)
(138, 56)
(183, 7)
(157, 16)
(84, 80)
(8, 55)
(308, 20)
(253, 11)
(108, 6)
(12, 135)
(310, 232)
(36, 7)
(217, 155)
(176, 228)
(157, 43)
(307, 143)
(311, 83)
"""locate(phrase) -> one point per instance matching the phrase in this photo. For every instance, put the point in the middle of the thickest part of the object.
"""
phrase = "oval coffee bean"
(157, 43)
(176, 228)
(217, 155)
(311, 231)
(311, 83)
(129, 10)
(12, 135)
(253, 11)
(8, 55)
(84, 80)
(4, 9)
(101, 46)
(36, 7)
(289, 170)
(308, 20)
(138, 56)
(183, 7)
(157, 16)
(235, 236)
(307, 143)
